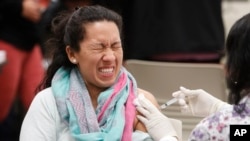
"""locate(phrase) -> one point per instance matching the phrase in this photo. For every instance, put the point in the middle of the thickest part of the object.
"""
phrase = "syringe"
(170, 102)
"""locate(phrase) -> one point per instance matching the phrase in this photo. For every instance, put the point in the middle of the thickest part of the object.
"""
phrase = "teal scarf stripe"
(59, 88)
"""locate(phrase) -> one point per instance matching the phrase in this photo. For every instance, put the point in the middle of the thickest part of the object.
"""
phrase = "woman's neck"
(94, 93)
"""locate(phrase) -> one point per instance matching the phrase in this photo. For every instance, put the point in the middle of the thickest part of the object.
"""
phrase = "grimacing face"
(100, 56)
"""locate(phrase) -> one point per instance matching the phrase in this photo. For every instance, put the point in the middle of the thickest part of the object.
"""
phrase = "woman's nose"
(109, 55)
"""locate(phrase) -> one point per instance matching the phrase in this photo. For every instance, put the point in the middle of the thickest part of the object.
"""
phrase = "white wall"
(233, 10)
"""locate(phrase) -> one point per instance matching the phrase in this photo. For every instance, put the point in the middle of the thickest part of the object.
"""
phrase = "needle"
(170, 102)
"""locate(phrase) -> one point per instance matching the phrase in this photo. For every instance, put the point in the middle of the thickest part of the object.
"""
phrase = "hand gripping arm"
(157, 124)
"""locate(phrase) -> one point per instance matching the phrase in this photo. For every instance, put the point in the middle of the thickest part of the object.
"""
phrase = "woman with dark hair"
(218, 115)
(221, 115)
(87, 94)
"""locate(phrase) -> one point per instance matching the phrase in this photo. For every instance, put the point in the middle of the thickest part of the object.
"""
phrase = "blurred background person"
(23, 70)
(53, 8)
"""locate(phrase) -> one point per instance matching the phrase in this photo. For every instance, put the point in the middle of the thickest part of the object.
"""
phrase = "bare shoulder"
(149, 96)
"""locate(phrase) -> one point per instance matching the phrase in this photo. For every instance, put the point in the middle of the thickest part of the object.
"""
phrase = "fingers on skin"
(141, 95)
(136, 102)
(142, 100)
(145, 103)
(143, 111)
(142, 119)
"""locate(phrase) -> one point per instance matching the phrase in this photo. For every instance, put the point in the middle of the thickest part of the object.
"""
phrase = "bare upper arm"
(137, 124)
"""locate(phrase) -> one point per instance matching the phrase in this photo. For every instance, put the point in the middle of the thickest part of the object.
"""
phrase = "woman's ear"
(71, 54)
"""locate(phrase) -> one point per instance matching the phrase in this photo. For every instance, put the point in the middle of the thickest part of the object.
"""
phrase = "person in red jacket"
(23, 70)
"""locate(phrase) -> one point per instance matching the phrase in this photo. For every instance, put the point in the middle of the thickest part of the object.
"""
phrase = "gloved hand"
(157, 124)
(198, 102)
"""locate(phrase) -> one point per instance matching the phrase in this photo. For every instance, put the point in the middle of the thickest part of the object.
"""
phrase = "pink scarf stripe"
(129, 115)
(119, 85)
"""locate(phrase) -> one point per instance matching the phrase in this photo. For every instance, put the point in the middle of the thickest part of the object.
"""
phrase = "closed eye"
(97, 46)
(116, 45)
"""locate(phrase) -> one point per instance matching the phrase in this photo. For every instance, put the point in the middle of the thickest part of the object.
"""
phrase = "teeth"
(107, 70)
